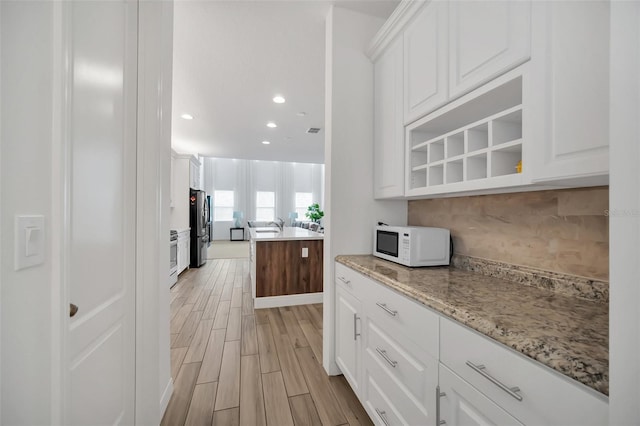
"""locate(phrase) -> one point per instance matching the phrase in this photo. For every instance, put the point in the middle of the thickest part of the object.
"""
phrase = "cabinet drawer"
(350, 280)
(462, 404)
(547, 397)
(387, 403)
(400, 316)
(411, 366)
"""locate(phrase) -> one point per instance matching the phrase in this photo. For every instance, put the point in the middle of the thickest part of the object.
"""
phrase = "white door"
(388, 132)
(464, 405)
(571, 54)
(487, 39)
(101, 47)
(348, 339)
(425, 61)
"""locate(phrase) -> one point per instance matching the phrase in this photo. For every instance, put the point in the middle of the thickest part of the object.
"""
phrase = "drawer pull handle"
(387, 310)
(480, 369)
(355, 333)
(438, 396)
(344, 280)
(384, 355)
(383, 416)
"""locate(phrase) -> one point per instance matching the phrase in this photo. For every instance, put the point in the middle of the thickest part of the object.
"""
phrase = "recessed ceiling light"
(272, 125)
(301, 114)
(278, 99)
(266, 142)
(187, 116)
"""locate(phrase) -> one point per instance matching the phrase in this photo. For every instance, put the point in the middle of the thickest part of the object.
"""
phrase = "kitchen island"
(286, 266)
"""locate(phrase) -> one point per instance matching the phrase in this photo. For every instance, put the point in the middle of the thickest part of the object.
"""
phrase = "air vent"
(313, 129)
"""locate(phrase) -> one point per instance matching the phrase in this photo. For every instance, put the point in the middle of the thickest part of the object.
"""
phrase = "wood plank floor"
(233, 365)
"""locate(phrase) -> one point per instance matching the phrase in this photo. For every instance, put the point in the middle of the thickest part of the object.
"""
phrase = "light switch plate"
(305, 251)
(29, 241)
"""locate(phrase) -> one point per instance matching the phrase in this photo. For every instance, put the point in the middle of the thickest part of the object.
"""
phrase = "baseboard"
(166, 396)
(294, 299)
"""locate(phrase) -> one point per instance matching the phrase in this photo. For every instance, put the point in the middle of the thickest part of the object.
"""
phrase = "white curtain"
(246, 177)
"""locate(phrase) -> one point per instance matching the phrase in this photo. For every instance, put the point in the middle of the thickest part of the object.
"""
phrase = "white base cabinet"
(184, 249)
(384, 348)
(409, 365)
(462, 404)
(348, 346)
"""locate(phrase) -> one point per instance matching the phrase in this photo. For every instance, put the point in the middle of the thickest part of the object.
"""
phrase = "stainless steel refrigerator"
(198, 218)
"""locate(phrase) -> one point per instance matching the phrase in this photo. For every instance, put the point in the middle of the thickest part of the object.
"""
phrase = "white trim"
(291, 300)
(624, 220)
(59, 213)
(393, 26)
(166, 397)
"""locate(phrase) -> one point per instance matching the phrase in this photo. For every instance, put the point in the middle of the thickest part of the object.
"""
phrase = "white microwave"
(412, 245)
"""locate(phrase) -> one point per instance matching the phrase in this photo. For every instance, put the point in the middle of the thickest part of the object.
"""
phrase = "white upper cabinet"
(425, 61)
(195, 175)
(571, 49)
(388, 125)
(496, 95)
(487, 38)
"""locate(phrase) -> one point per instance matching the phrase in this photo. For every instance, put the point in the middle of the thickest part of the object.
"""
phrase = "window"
(265, 205)
(223, 206)
(303, 201)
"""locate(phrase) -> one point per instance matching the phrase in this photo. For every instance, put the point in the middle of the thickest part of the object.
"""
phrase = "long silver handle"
(384, 355)
(387, 310)
(438, 396)
(480, 369)
(383, 416)
(344, 280)
(355, 333)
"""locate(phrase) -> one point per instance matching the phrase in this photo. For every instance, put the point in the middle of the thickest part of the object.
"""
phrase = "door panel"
(102, 207)
(347, 336)
(464, 405)
(388, 123)
(425, 62)
(488, 38)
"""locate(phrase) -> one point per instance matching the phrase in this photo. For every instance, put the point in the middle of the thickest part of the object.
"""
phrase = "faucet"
(279, 223)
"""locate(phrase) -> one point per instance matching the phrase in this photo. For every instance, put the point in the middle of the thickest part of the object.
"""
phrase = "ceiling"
(232, 57)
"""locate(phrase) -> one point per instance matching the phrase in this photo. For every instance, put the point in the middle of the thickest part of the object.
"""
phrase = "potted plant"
(314, 213)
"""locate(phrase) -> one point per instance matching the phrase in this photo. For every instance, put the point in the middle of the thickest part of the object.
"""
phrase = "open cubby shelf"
(463, 145)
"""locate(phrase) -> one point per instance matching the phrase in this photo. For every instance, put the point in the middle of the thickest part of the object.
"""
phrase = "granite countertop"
(288, 233)
(568, 334)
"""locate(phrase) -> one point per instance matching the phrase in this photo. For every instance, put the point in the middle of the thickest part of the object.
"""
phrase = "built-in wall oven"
(173, 257)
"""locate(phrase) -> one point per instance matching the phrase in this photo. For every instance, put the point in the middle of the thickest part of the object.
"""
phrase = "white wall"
(26, 37)
(350, 210)
(624, 222)
(245, 177)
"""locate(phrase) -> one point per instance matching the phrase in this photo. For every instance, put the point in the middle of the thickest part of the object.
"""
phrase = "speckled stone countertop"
(568, 334)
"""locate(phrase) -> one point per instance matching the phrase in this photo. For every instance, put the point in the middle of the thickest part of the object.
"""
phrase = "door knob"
(73, 309)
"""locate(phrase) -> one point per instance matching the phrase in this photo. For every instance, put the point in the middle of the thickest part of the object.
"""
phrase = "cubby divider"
(462, 145)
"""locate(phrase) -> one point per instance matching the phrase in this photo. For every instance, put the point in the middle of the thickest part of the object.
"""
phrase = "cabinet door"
(463, 405)
(388, 139)
(425, 61)
(571, 58)
(487, 39)
(348, 338)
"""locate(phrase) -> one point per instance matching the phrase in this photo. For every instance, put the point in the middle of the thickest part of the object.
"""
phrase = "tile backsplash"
(563, 231)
